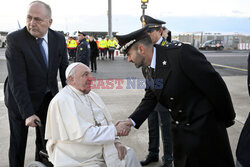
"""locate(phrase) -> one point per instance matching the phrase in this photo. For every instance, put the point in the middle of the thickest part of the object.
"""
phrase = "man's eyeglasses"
(37, 20)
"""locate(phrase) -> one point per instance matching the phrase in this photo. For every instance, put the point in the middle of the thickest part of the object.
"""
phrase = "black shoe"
(167, 165)
(149, 159)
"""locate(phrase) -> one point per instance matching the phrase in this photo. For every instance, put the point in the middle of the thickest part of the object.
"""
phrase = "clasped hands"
(123, 127)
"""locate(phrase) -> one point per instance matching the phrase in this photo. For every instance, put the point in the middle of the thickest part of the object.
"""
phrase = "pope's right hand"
(123, 127)
(30, 121)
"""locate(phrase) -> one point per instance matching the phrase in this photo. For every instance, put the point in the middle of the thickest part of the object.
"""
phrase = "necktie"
(151, 72)
(40, 41)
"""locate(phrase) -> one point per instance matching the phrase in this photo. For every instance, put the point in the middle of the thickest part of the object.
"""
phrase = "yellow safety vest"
(112, 43)
(103, 44)
(72, 44)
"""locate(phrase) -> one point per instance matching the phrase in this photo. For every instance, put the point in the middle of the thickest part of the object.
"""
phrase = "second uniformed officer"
(161, 117)
(83, 49)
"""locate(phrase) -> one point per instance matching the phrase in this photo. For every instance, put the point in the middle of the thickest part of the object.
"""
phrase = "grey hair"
(48, 8)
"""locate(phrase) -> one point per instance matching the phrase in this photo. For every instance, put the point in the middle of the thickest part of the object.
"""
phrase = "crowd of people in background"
(100, 49)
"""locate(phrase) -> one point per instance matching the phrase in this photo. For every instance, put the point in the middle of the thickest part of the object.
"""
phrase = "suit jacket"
(188, 86)
(28, 77)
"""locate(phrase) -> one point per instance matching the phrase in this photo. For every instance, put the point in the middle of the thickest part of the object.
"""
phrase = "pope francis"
(79, 128)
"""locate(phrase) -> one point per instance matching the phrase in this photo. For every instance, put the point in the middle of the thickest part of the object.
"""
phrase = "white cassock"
(80, 132)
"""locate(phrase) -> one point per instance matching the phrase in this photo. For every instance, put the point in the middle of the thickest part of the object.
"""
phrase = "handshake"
(123, 127)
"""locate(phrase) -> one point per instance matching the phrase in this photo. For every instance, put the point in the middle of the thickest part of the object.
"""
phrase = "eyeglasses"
(37, 20)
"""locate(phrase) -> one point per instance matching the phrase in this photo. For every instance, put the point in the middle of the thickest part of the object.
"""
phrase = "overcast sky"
(225, 16)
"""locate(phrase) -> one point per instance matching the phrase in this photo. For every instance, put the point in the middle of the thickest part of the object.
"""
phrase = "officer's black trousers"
(160, 117)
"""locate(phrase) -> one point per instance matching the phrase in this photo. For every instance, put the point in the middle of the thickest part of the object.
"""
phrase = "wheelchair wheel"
(36, 164)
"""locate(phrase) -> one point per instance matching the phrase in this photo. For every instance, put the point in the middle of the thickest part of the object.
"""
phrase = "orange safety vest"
(67, 43)
(97, 43)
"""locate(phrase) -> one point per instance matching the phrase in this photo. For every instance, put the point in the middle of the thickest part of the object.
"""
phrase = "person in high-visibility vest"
(67, 42)
(111, 45)
(103, 48)
(72, 45)
(107, 39)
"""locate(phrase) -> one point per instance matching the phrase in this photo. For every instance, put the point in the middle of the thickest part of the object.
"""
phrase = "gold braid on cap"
(154, 26)
(143, 22)
(127, 45)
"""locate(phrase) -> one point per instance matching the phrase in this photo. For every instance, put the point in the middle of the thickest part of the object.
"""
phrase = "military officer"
(154, 29)
(193, 92)
(83, 49)
(160, 117)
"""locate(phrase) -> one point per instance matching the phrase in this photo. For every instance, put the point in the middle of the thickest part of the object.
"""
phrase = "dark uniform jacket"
(145, 69)
(94, 49)
(83, 52)
(28, 77)
(248, 83)
(243, 148)
(198, 101)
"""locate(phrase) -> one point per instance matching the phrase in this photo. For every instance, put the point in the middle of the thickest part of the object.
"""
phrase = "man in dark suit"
(34, 55)
(243, 148)
(196, 96)
(160, 117)
(94, 53)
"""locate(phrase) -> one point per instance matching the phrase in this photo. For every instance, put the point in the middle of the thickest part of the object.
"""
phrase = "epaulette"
(174, 45)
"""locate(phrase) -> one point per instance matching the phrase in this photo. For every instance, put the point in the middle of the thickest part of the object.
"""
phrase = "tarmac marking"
(234, 68)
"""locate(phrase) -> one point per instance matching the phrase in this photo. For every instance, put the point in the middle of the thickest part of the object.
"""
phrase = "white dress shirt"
(159, 41)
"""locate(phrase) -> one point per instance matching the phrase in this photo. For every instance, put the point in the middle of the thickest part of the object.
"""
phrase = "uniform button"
(169, 110)
(171, 98)
(187, 124)
(177, 122)
(180, 111)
